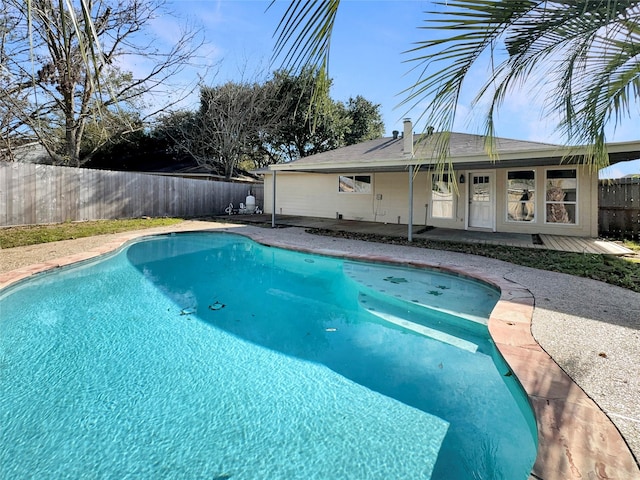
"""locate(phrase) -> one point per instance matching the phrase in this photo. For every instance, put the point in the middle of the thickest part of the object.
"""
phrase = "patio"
(549, 242)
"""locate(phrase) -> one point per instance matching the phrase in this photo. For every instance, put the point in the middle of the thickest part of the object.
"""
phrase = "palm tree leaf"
(583, 47)
(304, 34)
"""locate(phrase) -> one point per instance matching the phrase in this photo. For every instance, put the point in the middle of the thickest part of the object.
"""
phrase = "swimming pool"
(211, 356)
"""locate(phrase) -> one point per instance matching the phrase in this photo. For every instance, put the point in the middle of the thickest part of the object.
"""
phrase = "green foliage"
(587, 54)
(309, 125)
(111, 127)
(256, 124)
(366, 122)
(313, 122)
(138, 151)
(631, 245)
(304, 44)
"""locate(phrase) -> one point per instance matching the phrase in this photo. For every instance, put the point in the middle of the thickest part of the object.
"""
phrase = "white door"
(481, 200)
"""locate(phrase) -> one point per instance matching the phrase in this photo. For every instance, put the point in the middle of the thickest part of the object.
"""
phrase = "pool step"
(398, 316)
(430, 290)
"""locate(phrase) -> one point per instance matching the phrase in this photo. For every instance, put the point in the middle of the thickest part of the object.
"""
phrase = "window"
(561, 196)
(481, 190)
(354, 184)
(442, 196)
(521, 189)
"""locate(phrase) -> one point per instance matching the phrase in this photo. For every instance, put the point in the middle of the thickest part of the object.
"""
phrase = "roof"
(27, 153)
(388, 154)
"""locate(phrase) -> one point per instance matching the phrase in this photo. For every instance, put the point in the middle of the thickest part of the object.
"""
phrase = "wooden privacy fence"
(32, 194)
(619, 208)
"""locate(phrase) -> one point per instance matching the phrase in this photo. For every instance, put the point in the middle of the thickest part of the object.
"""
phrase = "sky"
(367, 58)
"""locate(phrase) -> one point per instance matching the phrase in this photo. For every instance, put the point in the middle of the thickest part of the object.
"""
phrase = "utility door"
(482, 205)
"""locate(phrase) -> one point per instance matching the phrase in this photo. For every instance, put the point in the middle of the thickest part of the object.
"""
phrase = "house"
(532, 188)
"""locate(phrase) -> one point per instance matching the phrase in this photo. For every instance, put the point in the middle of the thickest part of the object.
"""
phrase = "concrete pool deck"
(590, 330)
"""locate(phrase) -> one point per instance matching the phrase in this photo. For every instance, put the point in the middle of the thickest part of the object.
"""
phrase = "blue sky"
(366, 59)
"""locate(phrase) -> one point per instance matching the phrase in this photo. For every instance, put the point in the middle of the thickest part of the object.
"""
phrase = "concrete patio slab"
(522, 240)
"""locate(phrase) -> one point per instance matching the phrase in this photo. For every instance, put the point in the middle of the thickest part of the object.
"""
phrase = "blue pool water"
(210, 356)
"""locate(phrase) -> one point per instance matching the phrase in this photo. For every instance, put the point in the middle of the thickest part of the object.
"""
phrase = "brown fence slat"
(619, 208)
(40, 194)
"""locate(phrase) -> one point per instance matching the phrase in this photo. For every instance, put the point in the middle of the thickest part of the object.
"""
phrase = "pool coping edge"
(576, 439)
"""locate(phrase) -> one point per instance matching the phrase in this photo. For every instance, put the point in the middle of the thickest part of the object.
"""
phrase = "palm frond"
(304, 43)
(482, 23)
(304, 34)
(587, 49)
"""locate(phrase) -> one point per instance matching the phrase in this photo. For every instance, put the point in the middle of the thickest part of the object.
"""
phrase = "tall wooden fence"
(619, 208)
(33, 194)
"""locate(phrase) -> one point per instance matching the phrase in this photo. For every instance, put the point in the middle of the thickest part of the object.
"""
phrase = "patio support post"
(273, 201)
(410, 227)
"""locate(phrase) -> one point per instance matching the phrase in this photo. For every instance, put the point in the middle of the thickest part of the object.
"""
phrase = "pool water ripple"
(119, 368)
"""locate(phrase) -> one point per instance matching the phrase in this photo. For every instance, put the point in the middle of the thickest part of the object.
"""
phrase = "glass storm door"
(481, 200)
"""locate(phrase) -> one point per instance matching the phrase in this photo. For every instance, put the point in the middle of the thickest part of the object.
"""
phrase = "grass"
(631, 245)
(30, 235)
(620, 271)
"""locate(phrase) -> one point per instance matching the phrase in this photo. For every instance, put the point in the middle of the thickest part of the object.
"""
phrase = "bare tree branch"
(66, 69)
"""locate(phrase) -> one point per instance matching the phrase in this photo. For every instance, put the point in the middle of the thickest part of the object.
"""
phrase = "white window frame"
(354, 178)
(452, 201)
(535, 199)
(575, 203)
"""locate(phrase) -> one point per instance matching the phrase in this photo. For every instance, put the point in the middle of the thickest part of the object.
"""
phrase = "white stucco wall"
(317, 195)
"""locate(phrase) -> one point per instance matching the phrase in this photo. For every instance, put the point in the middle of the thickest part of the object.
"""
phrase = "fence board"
(41, 194)
(619, 208)
(43, 202)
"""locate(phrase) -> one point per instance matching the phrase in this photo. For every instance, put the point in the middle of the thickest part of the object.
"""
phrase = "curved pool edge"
(575, 437)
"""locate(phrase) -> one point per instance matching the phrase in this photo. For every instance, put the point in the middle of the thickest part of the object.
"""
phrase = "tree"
(588, 51)
(366, 122)
(11, 100)
(232, 119)
(63, 61)
(263, 123)
(312, 122)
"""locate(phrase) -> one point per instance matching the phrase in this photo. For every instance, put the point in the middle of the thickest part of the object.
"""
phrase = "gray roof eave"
(554, 155)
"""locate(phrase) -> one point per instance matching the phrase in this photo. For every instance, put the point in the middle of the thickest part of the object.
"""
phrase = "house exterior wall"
(317, 195)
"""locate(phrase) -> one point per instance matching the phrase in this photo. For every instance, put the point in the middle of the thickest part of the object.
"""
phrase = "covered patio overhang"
(554, 155)
(411, 169)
